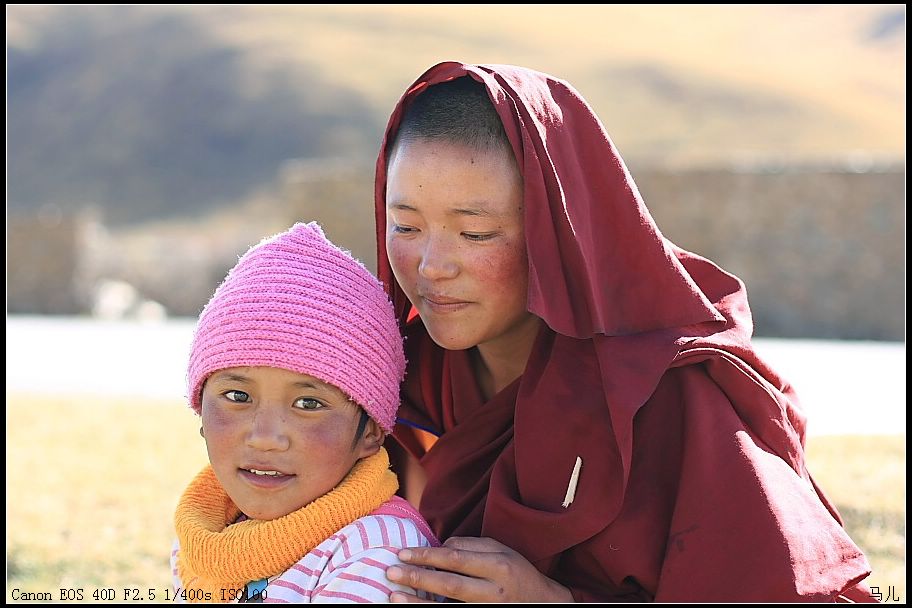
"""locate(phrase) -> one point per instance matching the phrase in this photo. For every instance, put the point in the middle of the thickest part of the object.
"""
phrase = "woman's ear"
(370, 441)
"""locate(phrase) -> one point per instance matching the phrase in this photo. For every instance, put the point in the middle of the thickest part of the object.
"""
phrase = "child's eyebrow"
(306, 384)
(222, 377)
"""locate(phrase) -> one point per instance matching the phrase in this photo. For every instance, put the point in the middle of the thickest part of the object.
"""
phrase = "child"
(295, 369)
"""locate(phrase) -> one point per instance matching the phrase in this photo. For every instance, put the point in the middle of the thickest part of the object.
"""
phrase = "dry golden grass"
(91, 487)
(865, 476)
(92, 484)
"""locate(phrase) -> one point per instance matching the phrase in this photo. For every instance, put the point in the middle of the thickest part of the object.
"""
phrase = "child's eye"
(403, 229)
(306, 403)
(237, 396)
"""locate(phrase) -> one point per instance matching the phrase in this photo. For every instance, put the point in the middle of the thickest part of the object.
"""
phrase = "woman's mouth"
(443, 304)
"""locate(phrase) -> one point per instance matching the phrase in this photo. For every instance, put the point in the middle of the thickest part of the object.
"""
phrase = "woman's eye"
(306, 403)
(479, 237)
(237, 396)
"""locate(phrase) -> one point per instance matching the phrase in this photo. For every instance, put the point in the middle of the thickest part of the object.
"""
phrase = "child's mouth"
(265, 478)
(259, 472)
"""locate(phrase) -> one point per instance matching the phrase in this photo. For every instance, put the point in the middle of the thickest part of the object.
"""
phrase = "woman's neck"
(497, 363)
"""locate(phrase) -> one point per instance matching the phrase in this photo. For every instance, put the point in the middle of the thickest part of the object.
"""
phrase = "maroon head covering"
(693, 484)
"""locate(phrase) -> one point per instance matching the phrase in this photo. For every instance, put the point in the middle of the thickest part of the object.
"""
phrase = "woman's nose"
(438, 260)
(268, 430)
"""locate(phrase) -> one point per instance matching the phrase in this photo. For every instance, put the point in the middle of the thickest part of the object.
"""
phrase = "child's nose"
(268, 430)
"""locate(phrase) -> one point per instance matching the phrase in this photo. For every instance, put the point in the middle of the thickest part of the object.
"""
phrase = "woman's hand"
(474, 570)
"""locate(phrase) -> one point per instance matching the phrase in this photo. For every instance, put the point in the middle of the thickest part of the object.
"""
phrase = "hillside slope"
(149, 112)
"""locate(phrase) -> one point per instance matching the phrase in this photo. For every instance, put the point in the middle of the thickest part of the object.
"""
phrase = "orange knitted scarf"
(216, 554)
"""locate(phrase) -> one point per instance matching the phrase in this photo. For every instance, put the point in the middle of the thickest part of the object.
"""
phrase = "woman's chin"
(451, 340)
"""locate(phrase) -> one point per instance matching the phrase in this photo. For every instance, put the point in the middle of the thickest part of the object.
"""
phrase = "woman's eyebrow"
(472, 211)
(402, 207)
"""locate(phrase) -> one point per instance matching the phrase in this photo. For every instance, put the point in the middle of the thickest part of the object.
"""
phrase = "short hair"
(362, 424)
(457, 111)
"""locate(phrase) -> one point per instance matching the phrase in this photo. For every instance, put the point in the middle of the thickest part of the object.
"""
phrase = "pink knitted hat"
(298, 302)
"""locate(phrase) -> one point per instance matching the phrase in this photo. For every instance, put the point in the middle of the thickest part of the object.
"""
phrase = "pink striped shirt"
(349, 566)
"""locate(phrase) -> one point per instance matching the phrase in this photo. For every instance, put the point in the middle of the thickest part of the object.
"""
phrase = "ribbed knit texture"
(215, 555)
(298, 302)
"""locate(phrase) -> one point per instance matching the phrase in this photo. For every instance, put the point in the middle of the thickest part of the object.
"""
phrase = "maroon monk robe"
(693, 484)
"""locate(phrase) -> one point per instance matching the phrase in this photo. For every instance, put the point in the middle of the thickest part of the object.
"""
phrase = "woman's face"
(278, 440)
(454, 236)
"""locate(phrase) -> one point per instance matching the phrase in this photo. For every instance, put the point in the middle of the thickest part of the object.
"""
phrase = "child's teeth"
(272, 473)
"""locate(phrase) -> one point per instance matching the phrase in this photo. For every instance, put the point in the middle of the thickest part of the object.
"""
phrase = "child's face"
(273, 420)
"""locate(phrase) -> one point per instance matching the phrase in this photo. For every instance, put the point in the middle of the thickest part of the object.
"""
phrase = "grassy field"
(865, 476)
(91, 488)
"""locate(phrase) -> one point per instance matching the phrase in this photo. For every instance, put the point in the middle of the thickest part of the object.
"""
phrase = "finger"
(400, 597)
(447, 584)
(478, 544)
(471, 563)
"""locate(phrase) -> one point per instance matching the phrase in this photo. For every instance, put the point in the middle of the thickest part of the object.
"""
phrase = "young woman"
(583, 416)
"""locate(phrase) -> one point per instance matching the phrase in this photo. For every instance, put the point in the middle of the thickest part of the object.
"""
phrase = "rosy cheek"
(402, 259)
(217, 421)
(504, 265)
(324, 438)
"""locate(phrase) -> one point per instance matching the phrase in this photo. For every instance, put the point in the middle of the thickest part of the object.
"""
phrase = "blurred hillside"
(149, 146)
(145, 112)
